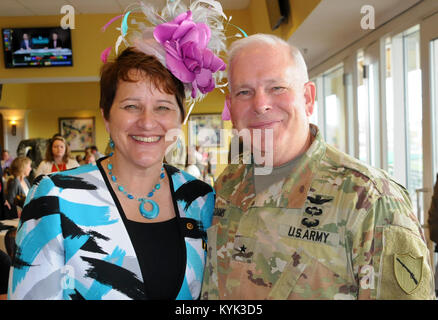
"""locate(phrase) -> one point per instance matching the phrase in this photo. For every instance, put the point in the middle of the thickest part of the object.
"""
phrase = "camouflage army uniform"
(334, 229)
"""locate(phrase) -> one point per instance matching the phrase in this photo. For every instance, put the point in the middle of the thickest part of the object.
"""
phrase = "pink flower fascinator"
(187, 40)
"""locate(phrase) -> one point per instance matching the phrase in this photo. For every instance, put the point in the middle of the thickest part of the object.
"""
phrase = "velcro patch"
(408, 271)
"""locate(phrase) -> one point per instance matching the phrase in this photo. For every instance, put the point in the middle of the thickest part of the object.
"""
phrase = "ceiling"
(53, 7)
(335, 24)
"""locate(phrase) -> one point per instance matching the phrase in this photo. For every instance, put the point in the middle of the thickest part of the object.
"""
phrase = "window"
(434, 98)
(334, 108)
(404, 111)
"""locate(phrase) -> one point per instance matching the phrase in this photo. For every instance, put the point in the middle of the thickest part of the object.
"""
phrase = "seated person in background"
(5, 264)
(55, 42)
(57, 157)
(89, 158)
(18, 187)
(6, 159)
(26, 43)
(96, 153)
(80, 159)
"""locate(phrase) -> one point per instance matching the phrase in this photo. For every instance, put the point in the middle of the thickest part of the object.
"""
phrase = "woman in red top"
(57, 157)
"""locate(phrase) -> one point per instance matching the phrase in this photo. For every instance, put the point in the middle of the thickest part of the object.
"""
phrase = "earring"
(111, 145)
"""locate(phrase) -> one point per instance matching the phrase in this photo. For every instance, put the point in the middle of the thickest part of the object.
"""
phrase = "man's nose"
(262, 102)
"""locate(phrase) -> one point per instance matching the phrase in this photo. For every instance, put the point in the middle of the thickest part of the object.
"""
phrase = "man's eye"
(243, 93)
(278, 88)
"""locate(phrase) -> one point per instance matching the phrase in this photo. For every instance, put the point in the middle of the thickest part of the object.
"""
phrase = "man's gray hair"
(269, 39)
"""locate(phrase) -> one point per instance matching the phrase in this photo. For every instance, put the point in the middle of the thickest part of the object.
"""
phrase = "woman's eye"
(130, 107)
(163, 108)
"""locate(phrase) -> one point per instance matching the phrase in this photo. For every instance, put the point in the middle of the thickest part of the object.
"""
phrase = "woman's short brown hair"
(18, 165)
(49, 154)
(130, 59)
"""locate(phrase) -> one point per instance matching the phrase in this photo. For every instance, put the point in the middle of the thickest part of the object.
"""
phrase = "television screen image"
(37, 47)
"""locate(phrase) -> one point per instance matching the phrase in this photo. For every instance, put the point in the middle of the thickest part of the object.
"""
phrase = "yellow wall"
(299, 10)
(88, 41)
(46, 102)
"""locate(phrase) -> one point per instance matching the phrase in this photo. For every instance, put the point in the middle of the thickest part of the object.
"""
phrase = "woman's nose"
(147, 119)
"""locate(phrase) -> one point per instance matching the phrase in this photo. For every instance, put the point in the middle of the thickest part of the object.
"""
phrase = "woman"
(128, 227)
(19, 185)
(57, 157)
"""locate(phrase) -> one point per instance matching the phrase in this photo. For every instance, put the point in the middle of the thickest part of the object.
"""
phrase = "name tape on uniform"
(318, 236)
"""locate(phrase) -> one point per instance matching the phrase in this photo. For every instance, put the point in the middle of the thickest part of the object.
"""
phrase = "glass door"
(429, 65)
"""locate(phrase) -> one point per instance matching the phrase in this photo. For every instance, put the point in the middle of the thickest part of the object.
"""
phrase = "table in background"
(14, 223)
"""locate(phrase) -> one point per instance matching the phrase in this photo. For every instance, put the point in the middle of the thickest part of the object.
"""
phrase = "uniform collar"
(288, 193)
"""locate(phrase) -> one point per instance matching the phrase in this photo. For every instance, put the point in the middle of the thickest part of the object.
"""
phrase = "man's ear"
(309, 96)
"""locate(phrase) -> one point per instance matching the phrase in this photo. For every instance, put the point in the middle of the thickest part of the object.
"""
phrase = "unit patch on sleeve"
(408, 271)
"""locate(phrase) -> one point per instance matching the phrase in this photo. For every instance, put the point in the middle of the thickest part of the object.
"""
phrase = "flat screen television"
(37, 47)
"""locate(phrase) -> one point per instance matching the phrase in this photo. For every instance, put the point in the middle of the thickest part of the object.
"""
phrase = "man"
(25, 42)
(6, 159)
(95, 152)
(55, 42)
(321, 225)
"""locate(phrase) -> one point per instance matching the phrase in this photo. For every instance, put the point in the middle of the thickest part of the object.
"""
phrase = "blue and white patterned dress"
(72, 242)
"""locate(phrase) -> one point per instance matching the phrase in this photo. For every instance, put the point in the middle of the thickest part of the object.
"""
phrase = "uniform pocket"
(304, 277)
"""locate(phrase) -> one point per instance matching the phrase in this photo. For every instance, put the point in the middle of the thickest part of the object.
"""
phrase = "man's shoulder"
(339, 165)
(230, 178)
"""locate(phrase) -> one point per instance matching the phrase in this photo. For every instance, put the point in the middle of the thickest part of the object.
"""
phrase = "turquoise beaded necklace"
(148, 214)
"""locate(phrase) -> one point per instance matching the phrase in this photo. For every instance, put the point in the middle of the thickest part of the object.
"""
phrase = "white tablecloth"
(14, 223)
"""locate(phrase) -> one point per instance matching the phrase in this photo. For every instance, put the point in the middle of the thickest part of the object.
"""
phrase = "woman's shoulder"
(71, 163)
(182, 178)
(12, 183)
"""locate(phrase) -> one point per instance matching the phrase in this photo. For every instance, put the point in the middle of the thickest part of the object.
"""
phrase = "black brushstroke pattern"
(17, 262)
(38, 179)
(192, 190)
(76, 296)
(40, 207)
(96, 234)
(196, 232)
(117, 277)
(171, 170)
(71, 229)
(91, 246)
(71, 182)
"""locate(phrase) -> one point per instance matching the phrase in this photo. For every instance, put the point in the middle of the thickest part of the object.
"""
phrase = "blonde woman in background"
(19, 185)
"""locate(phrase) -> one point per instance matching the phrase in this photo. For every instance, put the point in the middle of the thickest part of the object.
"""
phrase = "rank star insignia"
(408, 271)
(243, 249)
